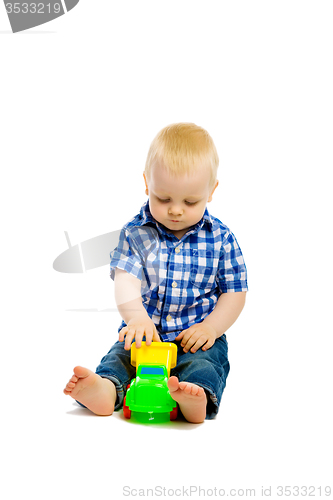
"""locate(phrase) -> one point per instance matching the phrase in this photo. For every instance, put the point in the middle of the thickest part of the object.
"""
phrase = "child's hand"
(137, 328)
(198, 335)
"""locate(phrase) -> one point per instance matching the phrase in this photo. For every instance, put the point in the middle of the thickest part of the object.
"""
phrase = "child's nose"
(175, 210)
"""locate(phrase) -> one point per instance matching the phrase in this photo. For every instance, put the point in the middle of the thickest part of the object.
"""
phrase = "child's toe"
(188, 389)
(194, 390)
(173, 384)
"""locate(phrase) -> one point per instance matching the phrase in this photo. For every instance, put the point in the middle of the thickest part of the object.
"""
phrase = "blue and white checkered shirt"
(181, 280)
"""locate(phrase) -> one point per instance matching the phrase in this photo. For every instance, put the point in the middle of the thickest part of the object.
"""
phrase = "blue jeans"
(208, 369)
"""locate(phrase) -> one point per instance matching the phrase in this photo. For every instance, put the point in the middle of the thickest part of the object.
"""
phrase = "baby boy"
(179, 277)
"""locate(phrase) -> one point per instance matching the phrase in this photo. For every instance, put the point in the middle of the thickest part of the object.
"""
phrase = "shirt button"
(174, 284)
(177, 250)
(169, 318)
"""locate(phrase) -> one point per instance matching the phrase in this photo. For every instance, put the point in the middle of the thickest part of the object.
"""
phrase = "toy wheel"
(174, 413)
(126, 410)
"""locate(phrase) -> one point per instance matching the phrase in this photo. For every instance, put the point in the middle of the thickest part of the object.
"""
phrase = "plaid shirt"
(181, 280)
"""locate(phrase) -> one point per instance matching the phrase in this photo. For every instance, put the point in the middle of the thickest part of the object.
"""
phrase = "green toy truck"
(148, 393)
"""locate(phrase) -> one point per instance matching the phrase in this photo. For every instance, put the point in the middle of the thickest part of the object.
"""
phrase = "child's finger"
(188, 345)
(156, 337)
(149, 337)
(122, 333)
(198, 343)
(189, 338)
(129, 337)
(138, 337)
(208, 344)
(180, 335)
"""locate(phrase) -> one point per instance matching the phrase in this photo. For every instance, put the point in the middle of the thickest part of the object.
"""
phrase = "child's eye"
(167, 200)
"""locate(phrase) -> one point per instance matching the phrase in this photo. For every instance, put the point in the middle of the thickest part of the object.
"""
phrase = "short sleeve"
(126, 256)
(232, 273)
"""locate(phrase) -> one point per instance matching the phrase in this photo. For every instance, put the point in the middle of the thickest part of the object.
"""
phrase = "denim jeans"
(208, 369)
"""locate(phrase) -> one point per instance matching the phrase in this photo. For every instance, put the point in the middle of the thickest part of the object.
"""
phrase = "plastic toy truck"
(148, 394)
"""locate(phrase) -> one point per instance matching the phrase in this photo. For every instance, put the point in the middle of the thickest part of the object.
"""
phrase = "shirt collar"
(146, 218)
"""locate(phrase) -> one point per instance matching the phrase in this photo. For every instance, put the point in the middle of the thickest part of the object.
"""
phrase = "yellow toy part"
(157, 353)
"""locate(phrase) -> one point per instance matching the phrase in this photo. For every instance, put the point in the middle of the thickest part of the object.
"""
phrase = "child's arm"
(227, 309)
(129, 303)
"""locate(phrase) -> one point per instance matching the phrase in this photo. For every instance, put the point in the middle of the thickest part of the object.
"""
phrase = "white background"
(81, 99)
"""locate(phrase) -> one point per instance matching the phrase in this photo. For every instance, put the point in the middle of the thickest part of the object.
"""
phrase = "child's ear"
(144, 176)
(211, 194)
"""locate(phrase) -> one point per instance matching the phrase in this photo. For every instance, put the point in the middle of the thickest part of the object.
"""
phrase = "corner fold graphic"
(70, 4)
(27, 14)
(87, 255)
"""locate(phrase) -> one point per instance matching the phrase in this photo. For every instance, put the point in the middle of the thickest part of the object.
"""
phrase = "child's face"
(178, 202)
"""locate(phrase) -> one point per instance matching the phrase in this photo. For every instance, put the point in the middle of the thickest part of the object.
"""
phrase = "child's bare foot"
(96, 393)
(191, 398)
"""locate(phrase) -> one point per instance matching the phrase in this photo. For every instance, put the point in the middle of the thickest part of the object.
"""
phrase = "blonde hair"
(183, 148)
